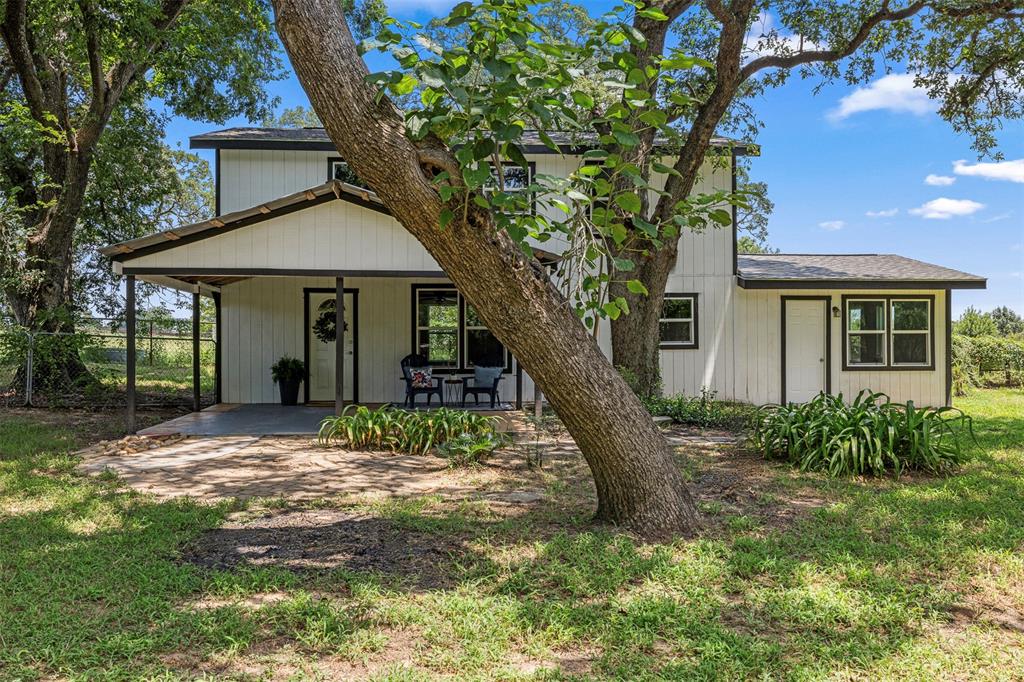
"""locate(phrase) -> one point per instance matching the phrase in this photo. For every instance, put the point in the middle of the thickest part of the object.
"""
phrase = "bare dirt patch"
(332, 539)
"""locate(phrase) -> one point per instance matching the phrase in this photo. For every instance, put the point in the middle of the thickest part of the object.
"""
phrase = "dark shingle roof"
(776, 270)
(315, 139)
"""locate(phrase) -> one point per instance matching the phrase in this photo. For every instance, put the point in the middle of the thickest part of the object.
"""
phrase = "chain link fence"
(97, 374)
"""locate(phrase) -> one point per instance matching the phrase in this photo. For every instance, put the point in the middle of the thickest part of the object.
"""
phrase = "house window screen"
(437, 326)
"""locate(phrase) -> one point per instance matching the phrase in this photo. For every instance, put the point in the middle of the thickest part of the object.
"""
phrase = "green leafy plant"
(870, 435)
(288, 369)
(704, 410)
(468, 449)
(416, 433)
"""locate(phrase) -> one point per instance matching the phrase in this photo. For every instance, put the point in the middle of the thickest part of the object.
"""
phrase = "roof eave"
(774, 283)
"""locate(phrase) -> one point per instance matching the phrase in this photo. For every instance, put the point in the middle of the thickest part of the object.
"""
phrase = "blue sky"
(834, 158)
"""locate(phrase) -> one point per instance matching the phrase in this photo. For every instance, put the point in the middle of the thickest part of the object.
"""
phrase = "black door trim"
(306, 291)
(827, 304)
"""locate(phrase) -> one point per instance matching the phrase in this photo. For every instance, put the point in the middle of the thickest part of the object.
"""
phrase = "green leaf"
(628, 201)
(623, 264)
(583, 100)
(611, 310)
(445, 217)
(635, 286)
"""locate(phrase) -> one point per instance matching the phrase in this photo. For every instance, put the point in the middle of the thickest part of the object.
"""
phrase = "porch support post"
(130, 360)
(519, 385)
(538, 401)
(216, 349)
(195, 350)
(339, 345)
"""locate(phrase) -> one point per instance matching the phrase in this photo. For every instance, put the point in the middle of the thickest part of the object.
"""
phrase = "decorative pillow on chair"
(485, 376)
(421, 377)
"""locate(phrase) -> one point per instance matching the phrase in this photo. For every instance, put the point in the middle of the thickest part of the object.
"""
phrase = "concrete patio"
(231, 419)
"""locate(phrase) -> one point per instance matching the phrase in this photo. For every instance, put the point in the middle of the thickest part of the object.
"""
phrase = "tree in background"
(73, 75)
(973, 322)
(1007, 321)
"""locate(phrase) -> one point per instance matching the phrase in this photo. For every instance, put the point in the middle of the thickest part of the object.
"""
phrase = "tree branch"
(863, 33)
(14, 29)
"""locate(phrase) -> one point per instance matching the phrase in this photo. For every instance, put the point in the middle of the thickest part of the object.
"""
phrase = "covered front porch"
(383, 318)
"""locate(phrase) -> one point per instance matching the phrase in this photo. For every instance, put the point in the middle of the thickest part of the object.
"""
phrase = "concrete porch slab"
(245, 420)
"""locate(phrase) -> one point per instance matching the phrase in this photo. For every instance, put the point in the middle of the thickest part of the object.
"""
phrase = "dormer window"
(515, 180)
(338, 169)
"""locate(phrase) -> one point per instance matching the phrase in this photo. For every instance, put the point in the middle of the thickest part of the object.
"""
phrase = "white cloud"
(832, 225)
(996, 170)
(765, 39)
(887, 213)
(943, 208)
(939, 180)
(895, 92)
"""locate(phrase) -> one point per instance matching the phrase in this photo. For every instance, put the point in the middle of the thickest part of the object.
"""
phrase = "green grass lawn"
(921, 578)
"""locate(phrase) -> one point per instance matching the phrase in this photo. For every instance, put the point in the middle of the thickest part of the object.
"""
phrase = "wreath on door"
(325, 328)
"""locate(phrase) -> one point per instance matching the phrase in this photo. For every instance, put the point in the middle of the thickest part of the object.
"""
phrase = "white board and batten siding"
(740, 347)
(336, 235)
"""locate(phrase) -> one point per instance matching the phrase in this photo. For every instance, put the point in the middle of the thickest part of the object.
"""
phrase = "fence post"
(28, 368)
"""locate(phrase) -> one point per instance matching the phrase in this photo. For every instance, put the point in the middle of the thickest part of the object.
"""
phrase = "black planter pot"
(290, 391)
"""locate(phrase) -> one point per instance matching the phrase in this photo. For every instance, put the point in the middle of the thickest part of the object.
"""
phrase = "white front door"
(321, 353)
(805, 349)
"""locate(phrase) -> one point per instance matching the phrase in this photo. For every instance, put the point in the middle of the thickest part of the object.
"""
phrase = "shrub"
(288, 369)
(871, 435)
(467, 449)
(388, 428)
(703, 410)
(987, 359)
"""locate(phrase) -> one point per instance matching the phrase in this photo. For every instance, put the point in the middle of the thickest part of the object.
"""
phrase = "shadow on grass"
(95, 580)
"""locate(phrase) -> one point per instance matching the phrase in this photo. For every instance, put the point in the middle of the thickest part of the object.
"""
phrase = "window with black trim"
(516, 180)
(678, 323)
(338, 169)
(865, 332)
(482, 347)
(450, 333)
(910, 342)
(889, 332)
(437, 326)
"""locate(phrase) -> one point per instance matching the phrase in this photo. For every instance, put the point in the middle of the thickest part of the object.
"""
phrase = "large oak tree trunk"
(638, 483)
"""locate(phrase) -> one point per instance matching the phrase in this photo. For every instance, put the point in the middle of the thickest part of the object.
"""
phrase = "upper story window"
(889, 332)
(678, 322)
(338, 169)
(516, 182)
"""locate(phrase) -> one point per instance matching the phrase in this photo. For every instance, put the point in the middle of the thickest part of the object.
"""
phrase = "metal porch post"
(130, 331)
(216, 349)
(195, 351)
(339, 345)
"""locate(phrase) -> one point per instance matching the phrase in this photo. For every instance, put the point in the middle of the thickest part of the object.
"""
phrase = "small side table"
(452, 390)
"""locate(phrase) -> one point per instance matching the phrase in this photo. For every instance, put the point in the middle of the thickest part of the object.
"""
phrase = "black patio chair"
(484, 380)
(415, 361)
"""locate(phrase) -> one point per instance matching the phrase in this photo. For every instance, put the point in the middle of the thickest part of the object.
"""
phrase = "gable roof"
(784, 270)
(316, 139)
(314, 196)
(307, 198)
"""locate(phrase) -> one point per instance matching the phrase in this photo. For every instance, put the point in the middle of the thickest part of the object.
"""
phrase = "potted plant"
(288, 374)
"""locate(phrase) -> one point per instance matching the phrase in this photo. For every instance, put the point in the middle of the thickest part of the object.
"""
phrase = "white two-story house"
(290, 233)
